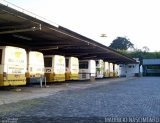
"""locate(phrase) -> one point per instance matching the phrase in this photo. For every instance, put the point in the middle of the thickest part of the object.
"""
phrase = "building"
(151, 67)
(130, 70)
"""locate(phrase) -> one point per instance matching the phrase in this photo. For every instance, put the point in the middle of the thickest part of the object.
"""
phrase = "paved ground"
(9, 95)
(132, 98)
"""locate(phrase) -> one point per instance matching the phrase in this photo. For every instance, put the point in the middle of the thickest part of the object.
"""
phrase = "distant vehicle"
(72, 68)
(13, 65)
(106, 69)
(99, 68)
(54, 68)
(111, 70)
(116, 70)
(87, 69)
(35, 67)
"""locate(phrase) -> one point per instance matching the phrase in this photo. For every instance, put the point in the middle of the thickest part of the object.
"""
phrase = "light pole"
(103, 35)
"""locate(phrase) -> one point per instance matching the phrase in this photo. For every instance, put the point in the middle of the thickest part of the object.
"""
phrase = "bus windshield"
(15, 56)
(36, 58)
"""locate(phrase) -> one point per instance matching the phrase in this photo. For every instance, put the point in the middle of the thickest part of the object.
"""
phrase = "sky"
(137, 20)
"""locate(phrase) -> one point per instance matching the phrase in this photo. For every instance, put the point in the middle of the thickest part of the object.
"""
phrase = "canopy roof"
(24, 29)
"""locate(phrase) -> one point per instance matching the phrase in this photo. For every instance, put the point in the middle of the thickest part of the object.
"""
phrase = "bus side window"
(0, 56)
(83, 65)
(67, 62)
(48, 62)
(96, 63)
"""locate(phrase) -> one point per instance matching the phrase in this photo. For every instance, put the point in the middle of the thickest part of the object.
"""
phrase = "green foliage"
(121, 43)
(141, 54)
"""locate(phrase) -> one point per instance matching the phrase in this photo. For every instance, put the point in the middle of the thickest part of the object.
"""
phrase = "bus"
(72, 68)
(35, 67)
(87, 69)
(116, 70)
(106, 69)
(13, 65)
(99, 68)
(111, 70)
(54, 68)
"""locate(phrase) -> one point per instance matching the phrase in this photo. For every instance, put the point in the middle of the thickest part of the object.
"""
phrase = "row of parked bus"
(18, 67)
(97, 69)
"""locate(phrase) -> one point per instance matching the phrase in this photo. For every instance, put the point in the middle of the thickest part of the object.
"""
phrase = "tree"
(145, 49)
(121, 43)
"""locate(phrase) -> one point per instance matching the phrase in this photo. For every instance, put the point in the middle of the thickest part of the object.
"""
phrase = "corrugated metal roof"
(151, 61)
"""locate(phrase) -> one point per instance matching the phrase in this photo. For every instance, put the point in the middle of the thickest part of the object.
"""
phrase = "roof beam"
(21, 30)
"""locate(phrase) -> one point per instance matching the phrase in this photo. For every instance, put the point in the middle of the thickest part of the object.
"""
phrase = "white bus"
(87, 69)
(35, 67)
(99, 68)
(13, 65)
(111, 70)
(54, 68)
(72, 68)
(116, 70)
(106, 69)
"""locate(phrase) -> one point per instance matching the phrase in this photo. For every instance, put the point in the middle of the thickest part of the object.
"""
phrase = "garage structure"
(151, 67)
(22, 28)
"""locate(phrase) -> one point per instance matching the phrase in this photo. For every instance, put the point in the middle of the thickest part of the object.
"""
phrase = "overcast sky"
(138, 20)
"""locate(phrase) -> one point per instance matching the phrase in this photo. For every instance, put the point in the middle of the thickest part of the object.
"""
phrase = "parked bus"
(87, 69)
(110, 69)
(54, 68)
(35, 67)
(116, 70)
(13, 65)
(106, 69)
(99, 68)
(72, 68)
